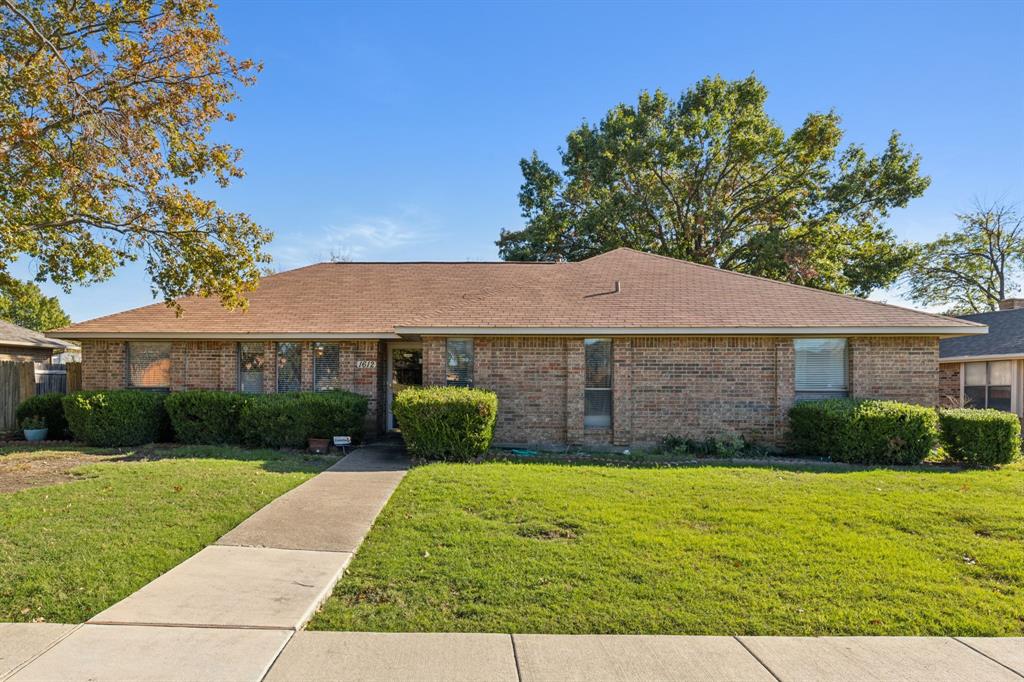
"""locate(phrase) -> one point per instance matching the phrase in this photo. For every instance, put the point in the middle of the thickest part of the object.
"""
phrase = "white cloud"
(361, 240)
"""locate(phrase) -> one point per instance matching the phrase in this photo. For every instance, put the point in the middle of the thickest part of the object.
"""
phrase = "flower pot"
(35, 434)
(319, 445)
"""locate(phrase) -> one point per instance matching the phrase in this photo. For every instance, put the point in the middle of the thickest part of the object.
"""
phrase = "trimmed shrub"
(446, 422)
(116, 418)
(863, 431)
(289, 420)
(980, 437)
(50, 408)
(210, 417)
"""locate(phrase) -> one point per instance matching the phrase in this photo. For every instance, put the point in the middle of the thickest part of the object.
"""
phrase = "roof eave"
(941, 331)
(226, 336)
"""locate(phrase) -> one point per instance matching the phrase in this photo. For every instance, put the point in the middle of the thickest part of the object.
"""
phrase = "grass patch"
(68, 551)
(720, 550)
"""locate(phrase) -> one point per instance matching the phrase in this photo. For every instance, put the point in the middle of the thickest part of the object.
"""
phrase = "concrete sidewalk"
(119, 652)
(227, 612)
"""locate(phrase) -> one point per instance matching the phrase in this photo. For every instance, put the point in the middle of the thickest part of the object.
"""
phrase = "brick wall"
(901, 368)
(688, 386)
(211, 364)
(949, 384)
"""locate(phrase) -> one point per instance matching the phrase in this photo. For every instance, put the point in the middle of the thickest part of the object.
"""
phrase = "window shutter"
(821, 366)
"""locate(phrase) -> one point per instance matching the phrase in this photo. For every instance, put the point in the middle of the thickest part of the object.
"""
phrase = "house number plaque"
(366, 364)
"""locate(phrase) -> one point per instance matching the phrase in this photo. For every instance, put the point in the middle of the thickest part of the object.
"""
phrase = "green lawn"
(68, 551)
(502, 547)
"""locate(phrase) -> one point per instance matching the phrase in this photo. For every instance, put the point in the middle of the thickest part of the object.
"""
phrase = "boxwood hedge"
(50, 408)
(863, 431)
(116, 418)
(206, 416)
(980, 437)
(289, 420)
(446, 422)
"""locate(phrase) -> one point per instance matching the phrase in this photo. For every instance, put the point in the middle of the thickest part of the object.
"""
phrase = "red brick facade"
(949, 384)
(688, 386)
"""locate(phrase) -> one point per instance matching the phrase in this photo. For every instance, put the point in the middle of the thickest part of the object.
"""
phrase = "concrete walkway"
(227, 612)
(122, 652)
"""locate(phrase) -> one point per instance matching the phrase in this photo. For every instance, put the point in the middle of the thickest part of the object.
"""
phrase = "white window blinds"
(149, 364)
(821, 366)
(460, 362)
(289, 367)
(597, 392)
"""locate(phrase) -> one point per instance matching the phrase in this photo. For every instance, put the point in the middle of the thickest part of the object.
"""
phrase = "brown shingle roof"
(654, 293)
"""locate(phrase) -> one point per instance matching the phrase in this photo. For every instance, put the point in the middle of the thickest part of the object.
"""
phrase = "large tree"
(106, 112)
(23, 303)
(973, 268)
(713, 179)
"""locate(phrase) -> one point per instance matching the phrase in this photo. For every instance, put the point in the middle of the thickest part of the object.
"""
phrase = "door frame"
(389, 417)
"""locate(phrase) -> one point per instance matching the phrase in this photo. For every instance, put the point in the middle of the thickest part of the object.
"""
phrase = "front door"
(405, 369)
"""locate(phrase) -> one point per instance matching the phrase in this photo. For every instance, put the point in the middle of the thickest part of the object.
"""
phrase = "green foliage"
(713, 179)
(972, 269)
(289, 420)
(980, 437)
(50, 408)
(33, 423)
(446, 422)
(210, 417)
(116, 418)
(863, 431)
(106, 119)
(723, 447)
(24, 304)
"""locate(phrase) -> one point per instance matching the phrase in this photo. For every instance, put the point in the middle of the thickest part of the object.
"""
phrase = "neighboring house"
(24, 345)
(987, 371)
(622, 348)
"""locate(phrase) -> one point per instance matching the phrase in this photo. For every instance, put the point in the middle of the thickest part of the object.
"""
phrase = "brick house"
(623, 348)
(987, 371)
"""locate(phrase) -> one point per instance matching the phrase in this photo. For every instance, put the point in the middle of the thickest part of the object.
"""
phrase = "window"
(597, 391)
(289, 367)
(326, 367)
(250, 367)
(460, 362)
(149, 364)
(821, 368)
(987, 384)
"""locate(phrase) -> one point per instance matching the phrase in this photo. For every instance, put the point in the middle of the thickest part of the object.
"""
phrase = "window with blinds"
(597, 391)
(250, 367)
(987, 384)
(460, 362)
(289, 367)
(326, 367)
(149, 364)
(821, 368)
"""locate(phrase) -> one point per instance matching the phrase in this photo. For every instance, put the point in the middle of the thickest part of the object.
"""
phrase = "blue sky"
(394, 131)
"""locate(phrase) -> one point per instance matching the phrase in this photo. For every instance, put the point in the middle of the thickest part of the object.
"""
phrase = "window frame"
(448, 360)
(240, 387)
(819, 393)
(598, 421)
(317, 346)
(128, 365)
(277, 366)
(988, 385)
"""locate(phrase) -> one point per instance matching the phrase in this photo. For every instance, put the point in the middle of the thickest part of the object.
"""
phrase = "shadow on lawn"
(667, 462)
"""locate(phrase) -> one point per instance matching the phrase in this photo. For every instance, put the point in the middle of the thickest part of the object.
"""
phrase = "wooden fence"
(74, 370)
(17, 382)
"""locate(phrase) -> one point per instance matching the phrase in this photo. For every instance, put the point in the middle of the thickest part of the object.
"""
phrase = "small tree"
(973, 268)
(105, 118)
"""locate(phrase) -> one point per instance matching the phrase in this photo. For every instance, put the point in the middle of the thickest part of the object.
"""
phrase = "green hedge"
(206, 416)
(863, 431)
(49, 407)
(289, 420)
(446, 422)
(980, 437)
(116, 418)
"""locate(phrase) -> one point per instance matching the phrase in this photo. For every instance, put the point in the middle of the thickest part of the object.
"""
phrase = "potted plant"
(319, 446)
(34, 428)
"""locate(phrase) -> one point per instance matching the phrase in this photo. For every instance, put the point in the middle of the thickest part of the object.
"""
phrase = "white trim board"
(696, 331)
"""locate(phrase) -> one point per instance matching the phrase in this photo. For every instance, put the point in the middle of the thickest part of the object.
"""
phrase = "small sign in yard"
(366, 364)
(342, 440)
